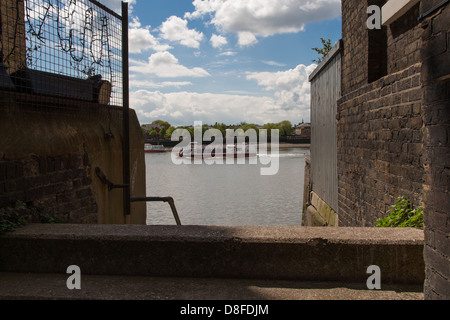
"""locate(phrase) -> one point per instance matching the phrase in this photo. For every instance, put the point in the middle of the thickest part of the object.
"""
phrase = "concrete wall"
(435, 55)
(293, 253)
(48, 158)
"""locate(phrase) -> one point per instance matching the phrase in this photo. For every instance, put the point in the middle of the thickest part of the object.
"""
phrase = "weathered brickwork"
(55, 185)
(380, 125)
(404, 40)
(435, 55)
(380, 147)
(394, 129)
(355, 44)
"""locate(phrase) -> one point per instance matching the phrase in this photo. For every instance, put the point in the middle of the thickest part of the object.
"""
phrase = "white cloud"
(176, 29)
(116, 5)
(183, 108)
(246, 39)
(273, 63)
(291, 88)
(166, 65)
(250, 19)
(158, 85)
(140, 39)
(228, 53)
(290, 101)
(218, 41)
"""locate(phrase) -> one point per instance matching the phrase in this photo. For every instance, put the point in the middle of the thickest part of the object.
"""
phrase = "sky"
(225, 61)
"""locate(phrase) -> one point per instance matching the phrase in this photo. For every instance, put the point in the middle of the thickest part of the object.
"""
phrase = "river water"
(228, 195)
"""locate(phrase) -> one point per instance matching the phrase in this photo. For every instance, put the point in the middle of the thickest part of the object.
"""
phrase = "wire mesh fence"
(64, 53)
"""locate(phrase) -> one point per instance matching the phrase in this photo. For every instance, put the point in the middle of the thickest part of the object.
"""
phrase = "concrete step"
(269, 253)
(22, 286)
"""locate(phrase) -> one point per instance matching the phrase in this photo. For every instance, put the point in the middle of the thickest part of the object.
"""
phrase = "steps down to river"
(202, 262)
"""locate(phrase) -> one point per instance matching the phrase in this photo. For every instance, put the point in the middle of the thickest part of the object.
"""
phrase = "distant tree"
(286, 128)
(324, 50)
(162, 124)
(163, 132)
(169, 132)
(222, 127)
(269, 127)
(152, 132)
(246, 127)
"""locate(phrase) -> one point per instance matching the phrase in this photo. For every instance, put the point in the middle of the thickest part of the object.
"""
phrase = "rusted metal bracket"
(111, 185)
(168, 200)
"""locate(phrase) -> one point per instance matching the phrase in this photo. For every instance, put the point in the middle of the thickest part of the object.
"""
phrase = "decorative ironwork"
(47, 46)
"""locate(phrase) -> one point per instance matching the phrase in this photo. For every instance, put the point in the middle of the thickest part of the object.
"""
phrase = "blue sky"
(225, 60)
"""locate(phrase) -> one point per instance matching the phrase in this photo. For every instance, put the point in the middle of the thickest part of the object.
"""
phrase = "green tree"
(269, 127)
(247, 126)
(162, 124)
(286, 128)
(163, 132)
(169, 132)
(152, 132)
(222, 127)
(326, 48)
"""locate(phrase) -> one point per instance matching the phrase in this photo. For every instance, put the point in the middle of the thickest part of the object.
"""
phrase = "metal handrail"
(161, 199)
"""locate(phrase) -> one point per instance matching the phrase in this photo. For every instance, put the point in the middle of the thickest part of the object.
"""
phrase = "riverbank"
(294, 145)
(282, 145)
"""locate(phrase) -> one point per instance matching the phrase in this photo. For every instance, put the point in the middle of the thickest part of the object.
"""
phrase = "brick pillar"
(435, 55)
(12, 34)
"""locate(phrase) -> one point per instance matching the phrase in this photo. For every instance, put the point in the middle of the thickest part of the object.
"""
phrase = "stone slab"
(16, 286)
(281, 253)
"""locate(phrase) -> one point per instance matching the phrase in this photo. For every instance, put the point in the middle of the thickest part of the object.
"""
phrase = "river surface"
(228, 195)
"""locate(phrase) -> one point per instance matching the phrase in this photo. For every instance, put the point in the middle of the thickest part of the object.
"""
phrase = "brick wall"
(404, 38)
(354, 31)
(394, 132)
(435, 55)
(363, 47)
(49, 153)
(380, 147)
(56, 185)
(380, 126)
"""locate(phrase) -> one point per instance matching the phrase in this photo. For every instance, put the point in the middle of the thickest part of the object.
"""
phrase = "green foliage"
(324, 50)
(402, 215)
(285, 128)
(169, 132)
(21, 215)
(162, 124)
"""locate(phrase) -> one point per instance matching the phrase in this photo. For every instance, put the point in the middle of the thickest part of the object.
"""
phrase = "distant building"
(303, 130)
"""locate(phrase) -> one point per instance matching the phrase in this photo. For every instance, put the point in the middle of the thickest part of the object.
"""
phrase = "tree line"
(163, 130)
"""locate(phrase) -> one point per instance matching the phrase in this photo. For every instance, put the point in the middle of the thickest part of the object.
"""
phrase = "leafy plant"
(324, 50)
(402, 215)
(21, 215)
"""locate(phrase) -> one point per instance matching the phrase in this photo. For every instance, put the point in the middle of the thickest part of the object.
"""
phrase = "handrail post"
(169, 200)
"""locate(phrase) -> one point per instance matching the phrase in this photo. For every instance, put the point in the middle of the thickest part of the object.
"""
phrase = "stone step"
(269, 253)
(23, 286)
